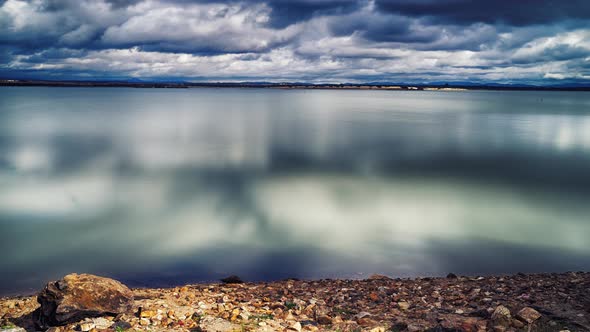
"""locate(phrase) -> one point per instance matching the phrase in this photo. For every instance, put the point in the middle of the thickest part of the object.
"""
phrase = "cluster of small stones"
(543, 302)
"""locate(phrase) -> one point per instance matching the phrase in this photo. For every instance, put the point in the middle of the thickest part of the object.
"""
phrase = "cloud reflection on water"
(201, 183)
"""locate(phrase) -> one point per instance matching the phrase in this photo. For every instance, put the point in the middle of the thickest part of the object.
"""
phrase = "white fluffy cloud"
(199, 27)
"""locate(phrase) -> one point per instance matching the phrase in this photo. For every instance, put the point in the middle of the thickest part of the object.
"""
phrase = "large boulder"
(79, 296)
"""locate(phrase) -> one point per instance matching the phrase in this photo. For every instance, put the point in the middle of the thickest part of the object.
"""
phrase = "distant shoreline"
(287, 86)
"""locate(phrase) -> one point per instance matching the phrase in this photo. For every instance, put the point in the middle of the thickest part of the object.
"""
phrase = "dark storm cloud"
(382, 28)
(286, 12)
(55, 5)
(48, 55)
(518, 13)
(5, 54)
(122, 3)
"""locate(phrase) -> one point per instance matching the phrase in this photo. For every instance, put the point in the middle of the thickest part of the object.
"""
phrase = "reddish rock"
(78, 296)
(518, 324)
(374, 296)
(528, 315)
(365, 321)
(473, 324)
(324, 320)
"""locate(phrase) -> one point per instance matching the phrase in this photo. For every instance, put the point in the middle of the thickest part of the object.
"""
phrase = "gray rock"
(501, 316)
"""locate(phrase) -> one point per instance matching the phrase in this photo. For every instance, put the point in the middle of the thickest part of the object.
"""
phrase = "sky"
(541, 42)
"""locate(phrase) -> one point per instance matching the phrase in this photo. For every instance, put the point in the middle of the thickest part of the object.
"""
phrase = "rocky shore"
(538, 302)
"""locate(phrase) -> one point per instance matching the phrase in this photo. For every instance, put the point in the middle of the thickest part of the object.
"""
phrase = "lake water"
(159, 187)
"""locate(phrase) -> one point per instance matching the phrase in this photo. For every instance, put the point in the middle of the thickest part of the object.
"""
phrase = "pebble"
(289, 316)
(528, 315)
(147, 314)
(403, 305)
(378, 329)
(518, 324)
(102, 323)
(365, 321)
(501, 316)
(295, 327)
(324, 320)
(85, 327)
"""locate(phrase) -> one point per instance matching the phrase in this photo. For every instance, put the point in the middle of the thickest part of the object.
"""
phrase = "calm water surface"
(159, 187)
